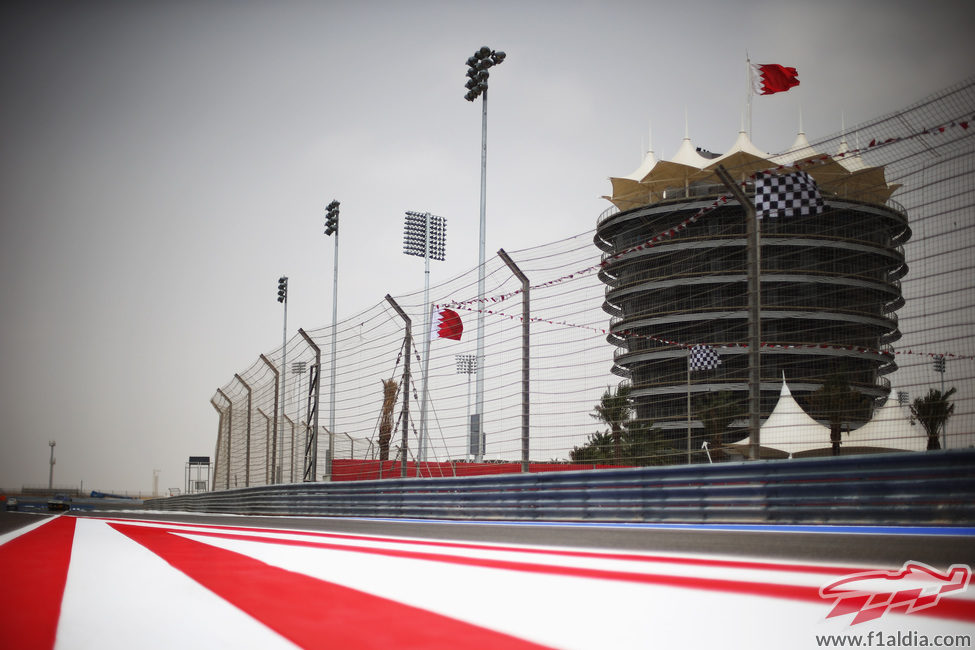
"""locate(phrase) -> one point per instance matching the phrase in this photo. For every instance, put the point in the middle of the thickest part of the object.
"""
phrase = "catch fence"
(584, 404)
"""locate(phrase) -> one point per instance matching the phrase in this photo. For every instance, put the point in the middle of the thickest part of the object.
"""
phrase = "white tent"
(889, 430)
(789, 429)
(793, 432)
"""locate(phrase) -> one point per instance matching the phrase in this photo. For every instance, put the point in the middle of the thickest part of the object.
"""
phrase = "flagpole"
(748, 92)
(688, 406)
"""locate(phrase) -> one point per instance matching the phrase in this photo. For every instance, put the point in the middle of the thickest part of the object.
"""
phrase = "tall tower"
(830, 282)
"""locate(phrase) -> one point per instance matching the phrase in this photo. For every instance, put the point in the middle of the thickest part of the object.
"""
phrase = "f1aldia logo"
(916, 586)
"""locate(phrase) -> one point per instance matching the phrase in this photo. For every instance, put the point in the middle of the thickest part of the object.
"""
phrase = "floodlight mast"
(283, 299)
(332, 227)
(425, 236)
(477, 85)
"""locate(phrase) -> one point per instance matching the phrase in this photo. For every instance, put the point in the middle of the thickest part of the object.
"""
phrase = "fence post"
(406, 382)
(311, 443)
(247, 455)
(754, 313)
(216, 452)
(230, 432)
(291, 466)
(274, 443)
(525, 365)
(268, 462)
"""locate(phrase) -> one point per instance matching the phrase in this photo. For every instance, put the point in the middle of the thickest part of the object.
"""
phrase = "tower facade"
(674, 266)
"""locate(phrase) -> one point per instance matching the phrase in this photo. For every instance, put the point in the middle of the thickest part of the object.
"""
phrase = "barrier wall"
(930, 488)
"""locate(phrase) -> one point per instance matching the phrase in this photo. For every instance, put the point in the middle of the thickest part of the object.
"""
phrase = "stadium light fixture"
(478, 67)
(332, 227)
(425, 235)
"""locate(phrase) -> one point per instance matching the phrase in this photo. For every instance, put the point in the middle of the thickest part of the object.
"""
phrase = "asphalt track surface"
(880, 545)
(89, 579)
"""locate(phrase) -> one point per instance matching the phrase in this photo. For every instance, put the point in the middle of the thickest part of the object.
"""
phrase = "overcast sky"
(162, 163)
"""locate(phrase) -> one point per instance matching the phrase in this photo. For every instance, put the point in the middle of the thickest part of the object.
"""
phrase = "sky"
(162, 164)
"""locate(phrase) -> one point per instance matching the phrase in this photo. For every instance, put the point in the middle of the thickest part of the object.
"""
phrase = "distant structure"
(830, 282)
(198, 471)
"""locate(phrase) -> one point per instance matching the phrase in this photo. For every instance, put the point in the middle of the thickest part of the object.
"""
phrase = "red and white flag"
(769, 78)
(447, 325)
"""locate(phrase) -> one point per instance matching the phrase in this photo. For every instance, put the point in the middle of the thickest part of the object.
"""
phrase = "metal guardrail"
(908, 488)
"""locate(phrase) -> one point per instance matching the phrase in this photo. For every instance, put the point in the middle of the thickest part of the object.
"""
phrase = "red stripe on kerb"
(552, 552)
(33, 571)
(948, 608)
(310, 612)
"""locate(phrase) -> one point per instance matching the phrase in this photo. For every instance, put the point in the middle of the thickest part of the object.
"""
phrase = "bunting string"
(680, 344)
(801, 164)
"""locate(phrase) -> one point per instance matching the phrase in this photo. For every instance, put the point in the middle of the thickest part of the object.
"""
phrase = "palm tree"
(717, 411)
(615, 410)
(390, 390)
(933, 411)
(598, 449)
(836, 401)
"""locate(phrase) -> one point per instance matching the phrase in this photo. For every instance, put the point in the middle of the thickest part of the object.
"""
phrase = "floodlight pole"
(334, 343)
(466, 365)
(479, 377)
(297, 368)
(422, 451)
(332, 227)
(279, 391)
(279, 394)
(939, 366)
(433, 235)
(478, 72)
(754, 313)
(50, 476)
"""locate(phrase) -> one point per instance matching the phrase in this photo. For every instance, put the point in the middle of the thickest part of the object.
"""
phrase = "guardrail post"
(311, 443)
(525, 365)
(247, 455)
(406, 381)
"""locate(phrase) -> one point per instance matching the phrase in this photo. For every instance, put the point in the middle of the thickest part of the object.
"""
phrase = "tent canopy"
(844, 175)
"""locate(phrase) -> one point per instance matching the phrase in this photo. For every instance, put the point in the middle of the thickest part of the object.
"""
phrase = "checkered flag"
(791, 195)
(703, 357)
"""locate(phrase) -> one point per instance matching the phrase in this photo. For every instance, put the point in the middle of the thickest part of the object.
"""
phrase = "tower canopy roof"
(843, 176)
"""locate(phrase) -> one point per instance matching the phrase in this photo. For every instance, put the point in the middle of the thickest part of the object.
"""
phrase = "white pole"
(50, 476)
(479, 407)
(688, 406)
(335, 315)
(422, 452)
(468, 411)
(748, 93)
(284, 376)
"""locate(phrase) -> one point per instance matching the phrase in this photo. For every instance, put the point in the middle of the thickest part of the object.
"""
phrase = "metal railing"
(909, 488)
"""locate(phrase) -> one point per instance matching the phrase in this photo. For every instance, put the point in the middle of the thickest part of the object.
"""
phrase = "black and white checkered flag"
(703, 357)
(791, 195)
